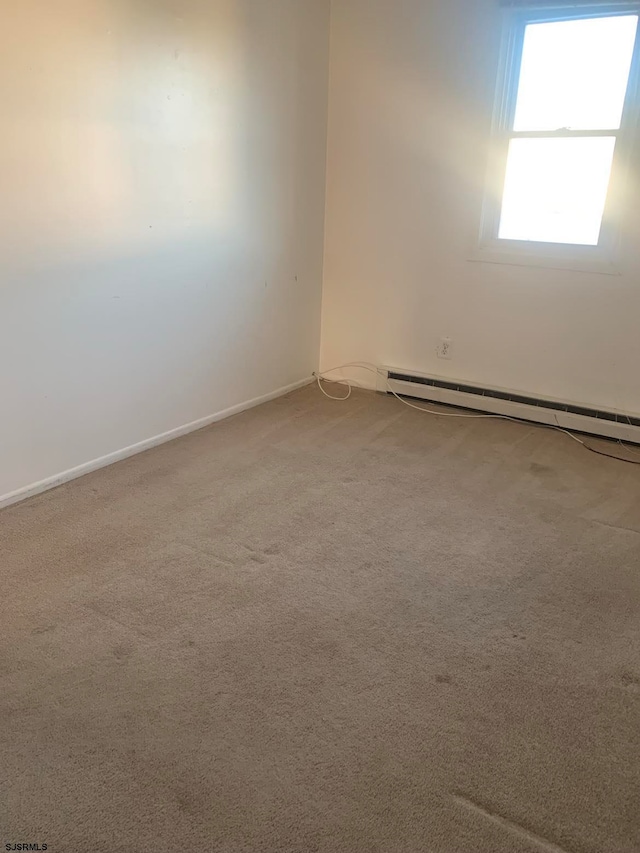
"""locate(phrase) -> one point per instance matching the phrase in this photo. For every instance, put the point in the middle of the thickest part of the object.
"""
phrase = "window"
(564, 116)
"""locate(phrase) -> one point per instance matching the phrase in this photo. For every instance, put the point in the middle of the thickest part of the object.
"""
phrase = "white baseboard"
(118, 455)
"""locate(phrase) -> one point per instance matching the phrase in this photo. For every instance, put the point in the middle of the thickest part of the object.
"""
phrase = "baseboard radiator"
(600, 422)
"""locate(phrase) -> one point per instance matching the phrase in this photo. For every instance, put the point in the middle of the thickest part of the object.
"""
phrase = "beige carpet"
(327, 627)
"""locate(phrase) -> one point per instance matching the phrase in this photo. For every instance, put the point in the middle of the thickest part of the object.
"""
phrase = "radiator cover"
(571, 416)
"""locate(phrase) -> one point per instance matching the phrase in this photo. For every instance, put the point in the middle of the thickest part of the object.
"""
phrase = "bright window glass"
(573, 83)
(574, 74)
(556, 189)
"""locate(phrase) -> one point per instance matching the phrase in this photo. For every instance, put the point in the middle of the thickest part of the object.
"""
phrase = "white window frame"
(603, 258)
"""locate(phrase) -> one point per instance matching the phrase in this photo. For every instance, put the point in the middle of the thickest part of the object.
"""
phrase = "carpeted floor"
(327, 627)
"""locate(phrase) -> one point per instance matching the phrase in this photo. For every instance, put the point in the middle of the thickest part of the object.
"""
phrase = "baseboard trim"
(118, 455)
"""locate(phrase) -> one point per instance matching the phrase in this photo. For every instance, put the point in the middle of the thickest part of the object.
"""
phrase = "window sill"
(542, 258)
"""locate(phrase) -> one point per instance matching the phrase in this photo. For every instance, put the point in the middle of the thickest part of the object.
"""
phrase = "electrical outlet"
(445, 349)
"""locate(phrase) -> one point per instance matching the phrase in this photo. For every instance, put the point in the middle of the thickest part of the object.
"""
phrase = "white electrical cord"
(322, 377)
(633, 450)
(364, 365)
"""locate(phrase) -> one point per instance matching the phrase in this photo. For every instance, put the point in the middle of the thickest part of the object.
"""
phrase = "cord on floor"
(363, 365)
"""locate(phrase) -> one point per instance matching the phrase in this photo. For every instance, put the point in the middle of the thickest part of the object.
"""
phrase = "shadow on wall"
(130, 115)
(122, 120)
(157, 213)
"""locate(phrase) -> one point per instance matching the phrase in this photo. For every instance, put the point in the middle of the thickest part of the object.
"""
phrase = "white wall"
(411, 96)
(162, 169)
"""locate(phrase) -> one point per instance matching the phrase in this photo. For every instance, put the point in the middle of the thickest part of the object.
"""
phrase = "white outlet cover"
(445, 349)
